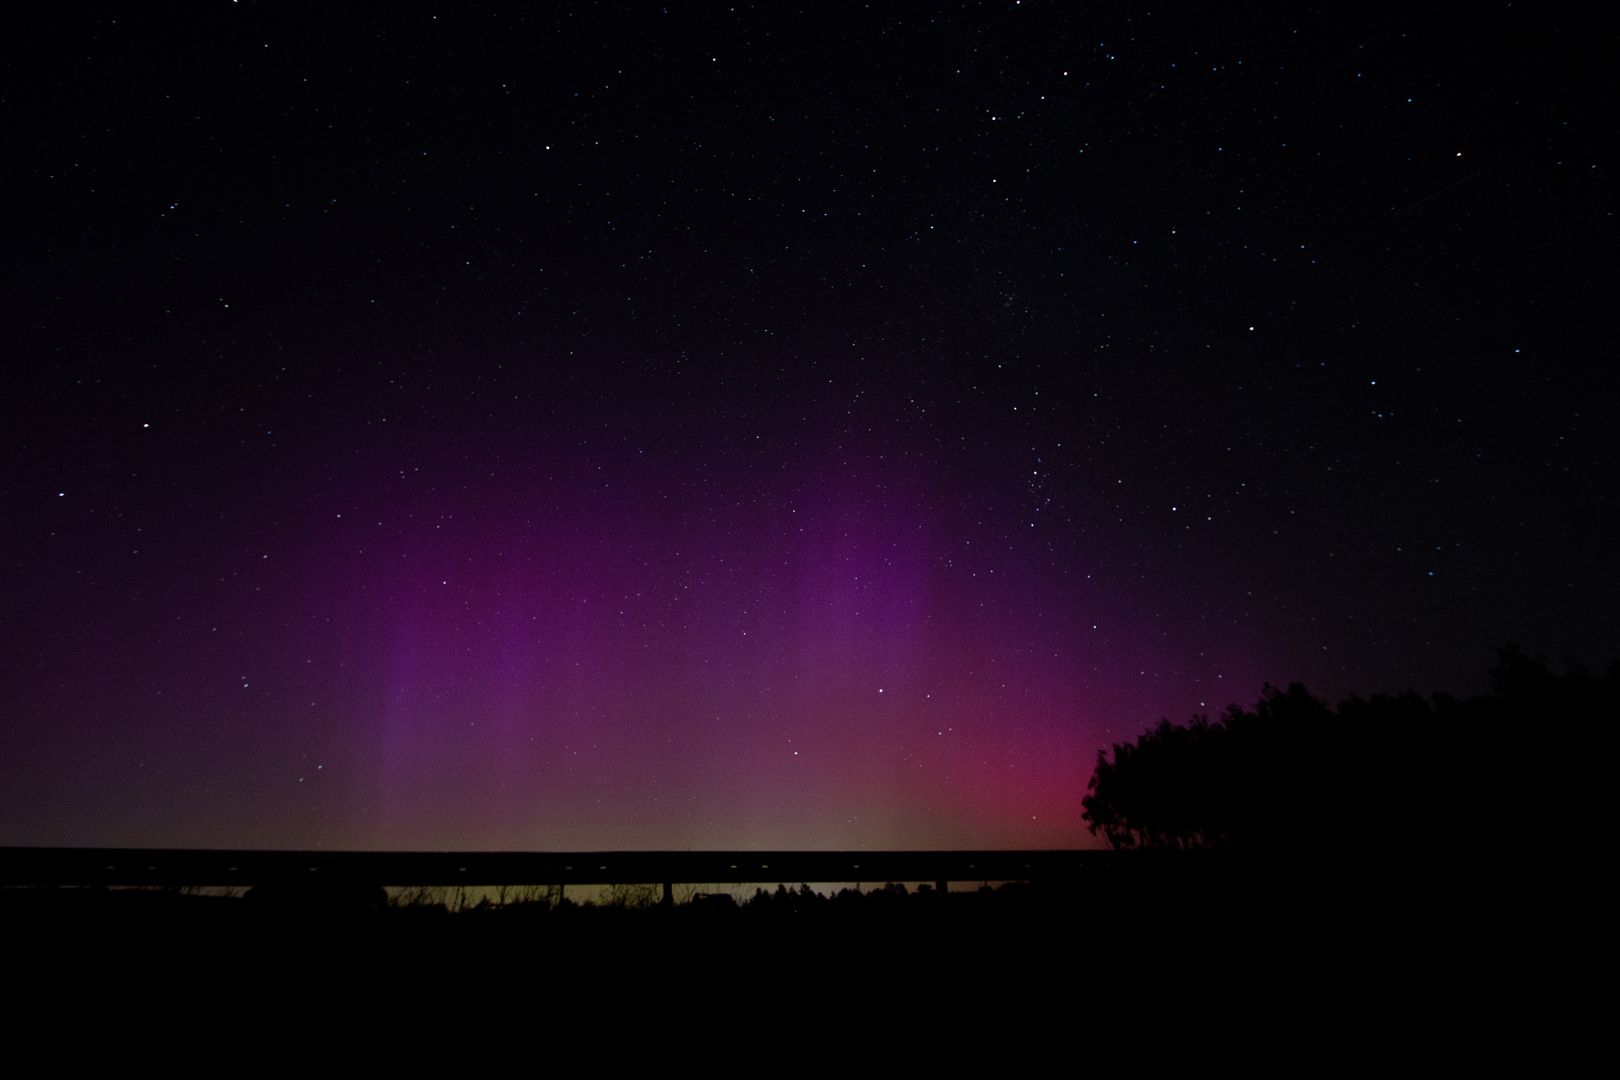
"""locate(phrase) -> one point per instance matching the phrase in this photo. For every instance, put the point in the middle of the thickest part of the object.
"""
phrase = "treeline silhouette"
(1510, 769)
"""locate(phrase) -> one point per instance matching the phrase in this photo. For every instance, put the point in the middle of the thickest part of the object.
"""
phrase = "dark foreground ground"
(1290, 950)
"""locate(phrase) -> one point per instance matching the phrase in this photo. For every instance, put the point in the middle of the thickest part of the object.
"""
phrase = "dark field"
(1166, 925)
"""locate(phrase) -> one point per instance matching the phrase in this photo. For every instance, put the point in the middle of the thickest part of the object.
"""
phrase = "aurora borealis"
(739, 428)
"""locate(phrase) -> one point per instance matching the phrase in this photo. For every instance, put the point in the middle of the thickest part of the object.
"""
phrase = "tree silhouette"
(1294, 773)
(1246, 779)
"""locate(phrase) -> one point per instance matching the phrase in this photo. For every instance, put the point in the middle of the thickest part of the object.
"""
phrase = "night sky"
(727, 427)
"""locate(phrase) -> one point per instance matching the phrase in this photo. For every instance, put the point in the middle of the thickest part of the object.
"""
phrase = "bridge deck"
(177, 867)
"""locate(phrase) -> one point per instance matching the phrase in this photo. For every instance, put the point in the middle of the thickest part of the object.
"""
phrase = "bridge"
(176, 867)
